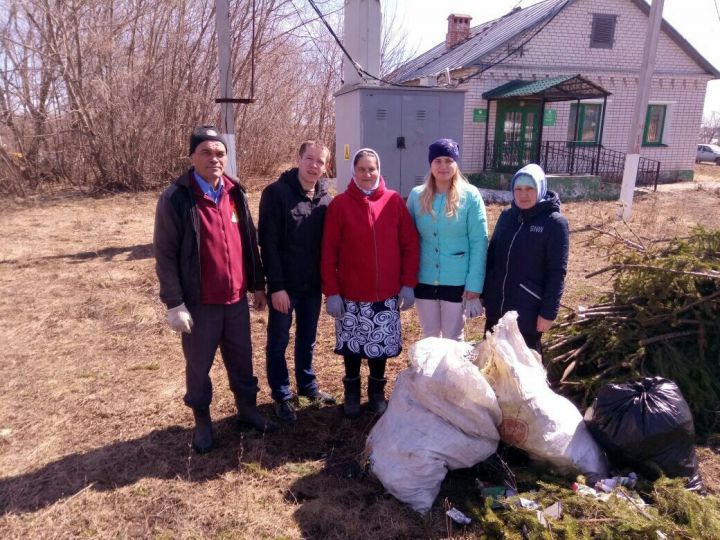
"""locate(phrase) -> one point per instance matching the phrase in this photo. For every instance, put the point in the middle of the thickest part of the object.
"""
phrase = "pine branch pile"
(661, 318)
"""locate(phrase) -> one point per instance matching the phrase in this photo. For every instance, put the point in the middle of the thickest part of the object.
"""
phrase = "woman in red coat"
(369, 267)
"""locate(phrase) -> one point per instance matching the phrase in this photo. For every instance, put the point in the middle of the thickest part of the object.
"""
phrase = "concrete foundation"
(570, 188)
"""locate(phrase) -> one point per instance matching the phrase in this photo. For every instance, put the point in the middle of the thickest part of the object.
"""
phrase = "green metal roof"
(561, 88)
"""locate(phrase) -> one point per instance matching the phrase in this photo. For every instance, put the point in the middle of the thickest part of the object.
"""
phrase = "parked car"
(708, 152)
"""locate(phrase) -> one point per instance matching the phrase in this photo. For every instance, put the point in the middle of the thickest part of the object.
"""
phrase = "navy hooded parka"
(526, 263)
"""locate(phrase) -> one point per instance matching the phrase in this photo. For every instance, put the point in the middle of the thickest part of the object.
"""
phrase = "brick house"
(574, 64)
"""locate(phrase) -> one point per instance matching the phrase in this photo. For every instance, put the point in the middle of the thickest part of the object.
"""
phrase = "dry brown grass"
(94, 438)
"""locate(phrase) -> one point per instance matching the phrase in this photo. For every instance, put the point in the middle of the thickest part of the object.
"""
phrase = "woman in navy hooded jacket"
(527, 257)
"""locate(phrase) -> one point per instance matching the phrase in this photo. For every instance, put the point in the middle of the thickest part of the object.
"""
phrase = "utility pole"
(639, 113)
(227, 118)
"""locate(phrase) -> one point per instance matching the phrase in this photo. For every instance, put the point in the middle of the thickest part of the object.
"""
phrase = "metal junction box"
(400, 124)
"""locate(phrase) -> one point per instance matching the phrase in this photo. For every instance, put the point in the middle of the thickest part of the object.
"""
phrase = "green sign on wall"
(480, 115)
(549, 117)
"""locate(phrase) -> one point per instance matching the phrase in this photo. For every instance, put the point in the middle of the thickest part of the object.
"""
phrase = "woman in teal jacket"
(449, 214)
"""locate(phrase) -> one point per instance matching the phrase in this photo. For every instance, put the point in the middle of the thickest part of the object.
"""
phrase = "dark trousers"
(307, 313)
(376, 366)
(532, 339)
(229, 327)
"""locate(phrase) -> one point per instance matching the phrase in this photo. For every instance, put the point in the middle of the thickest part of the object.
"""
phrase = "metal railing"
(562, 157)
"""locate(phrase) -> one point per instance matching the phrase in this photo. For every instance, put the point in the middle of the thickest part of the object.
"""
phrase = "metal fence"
(562, 157)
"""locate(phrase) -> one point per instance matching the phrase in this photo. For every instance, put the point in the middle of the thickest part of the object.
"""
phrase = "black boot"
(351, 408)
(202, 439)
(376, 395)
(249, 416)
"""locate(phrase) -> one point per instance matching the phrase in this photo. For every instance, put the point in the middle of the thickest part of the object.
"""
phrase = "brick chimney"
(458, 29)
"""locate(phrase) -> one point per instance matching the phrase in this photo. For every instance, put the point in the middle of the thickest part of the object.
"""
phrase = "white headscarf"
(532, 175)
(352, 165)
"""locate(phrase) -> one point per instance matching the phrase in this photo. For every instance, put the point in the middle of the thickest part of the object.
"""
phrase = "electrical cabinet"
(398, 123)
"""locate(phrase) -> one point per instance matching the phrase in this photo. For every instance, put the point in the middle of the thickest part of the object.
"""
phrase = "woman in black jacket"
(527, 257)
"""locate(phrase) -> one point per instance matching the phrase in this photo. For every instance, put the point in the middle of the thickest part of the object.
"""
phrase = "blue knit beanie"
(444, 147)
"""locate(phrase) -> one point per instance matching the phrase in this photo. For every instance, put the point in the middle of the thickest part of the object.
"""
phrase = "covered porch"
(520, 111)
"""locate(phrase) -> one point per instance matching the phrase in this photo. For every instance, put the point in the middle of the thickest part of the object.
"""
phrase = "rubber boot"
(351, 408)
(202, 439)
(249, 416)
(376, 395)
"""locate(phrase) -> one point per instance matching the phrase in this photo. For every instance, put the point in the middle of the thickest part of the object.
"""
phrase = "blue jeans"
(307, 313)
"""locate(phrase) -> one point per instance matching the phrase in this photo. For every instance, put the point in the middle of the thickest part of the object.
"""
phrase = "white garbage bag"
(536, 419)
(444, 380)
(410, 449)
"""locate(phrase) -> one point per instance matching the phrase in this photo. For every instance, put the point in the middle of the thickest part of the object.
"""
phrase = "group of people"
(367, 250)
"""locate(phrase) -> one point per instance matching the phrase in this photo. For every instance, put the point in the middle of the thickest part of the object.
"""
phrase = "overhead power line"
(357, 66)
(364, 73)
(514, 50)
(360, 70)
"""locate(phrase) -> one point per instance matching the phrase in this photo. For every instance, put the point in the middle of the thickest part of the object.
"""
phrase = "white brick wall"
(562, 48)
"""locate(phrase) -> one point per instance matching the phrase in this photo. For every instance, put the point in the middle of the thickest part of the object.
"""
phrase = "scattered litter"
(5, 432)
(458, 517)
(527, 504)
(635, 500)
(553, 511)
(587, 491)
(608, 484)
(494, 492)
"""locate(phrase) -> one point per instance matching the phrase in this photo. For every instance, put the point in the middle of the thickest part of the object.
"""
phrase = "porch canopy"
(552, 89)
(561, 88)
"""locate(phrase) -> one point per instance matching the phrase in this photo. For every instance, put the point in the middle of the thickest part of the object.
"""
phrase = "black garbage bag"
(647, 425)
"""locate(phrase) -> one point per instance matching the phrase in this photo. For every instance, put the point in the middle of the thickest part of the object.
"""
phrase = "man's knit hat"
(205, 133)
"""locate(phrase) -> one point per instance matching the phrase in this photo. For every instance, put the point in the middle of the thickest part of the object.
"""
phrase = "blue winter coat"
(452, 250)
(526, 263)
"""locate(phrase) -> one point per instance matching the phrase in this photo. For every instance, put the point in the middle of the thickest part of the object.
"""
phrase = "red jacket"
(370, 245)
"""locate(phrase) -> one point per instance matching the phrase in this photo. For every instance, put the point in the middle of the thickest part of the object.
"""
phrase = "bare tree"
(101, 94)
(710, 129)
(394, 44)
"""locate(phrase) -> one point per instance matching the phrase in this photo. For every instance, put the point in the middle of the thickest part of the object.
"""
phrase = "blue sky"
(425, 22)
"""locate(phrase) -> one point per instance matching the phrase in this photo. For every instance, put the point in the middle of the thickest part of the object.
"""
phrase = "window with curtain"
(654, 125)
(584, 123)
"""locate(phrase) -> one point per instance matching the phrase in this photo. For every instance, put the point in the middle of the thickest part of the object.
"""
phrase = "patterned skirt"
(369, 329)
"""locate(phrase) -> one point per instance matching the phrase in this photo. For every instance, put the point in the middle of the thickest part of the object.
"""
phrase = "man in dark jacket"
(206, 258)
(292, 212)
(527, 257)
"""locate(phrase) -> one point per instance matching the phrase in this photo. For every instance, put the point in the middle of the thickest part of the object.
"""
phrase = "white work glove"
(335, 306)
(406, 298)
(179, 319)
(473, 308)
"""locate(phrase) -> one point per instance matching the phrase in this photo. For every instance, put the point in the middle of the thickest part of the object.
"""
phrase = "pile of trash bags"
(456, 402)
(442, 415)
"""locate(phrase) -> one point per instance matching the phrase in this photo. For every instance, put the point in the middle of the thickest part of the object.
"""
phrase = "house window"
(654, 125)
(588, 123)
(603, 31)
